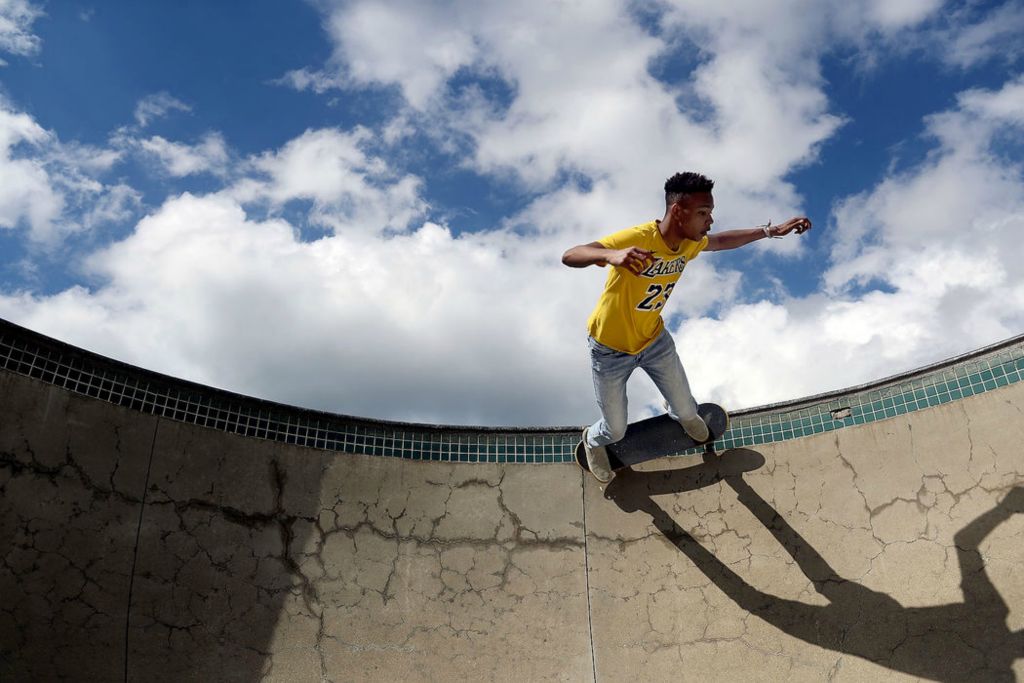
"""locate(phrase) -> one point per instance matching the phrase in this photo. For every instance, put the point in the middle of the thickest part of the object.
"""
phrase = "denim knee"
(616, 431)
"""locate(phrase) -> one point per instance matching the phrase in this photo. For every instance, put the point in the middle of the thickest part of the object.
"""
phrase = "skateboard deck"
(657, 437)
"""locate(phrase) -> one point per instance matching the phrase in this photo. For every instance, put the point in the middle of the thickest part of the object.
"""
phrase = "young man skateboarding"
(626, 329)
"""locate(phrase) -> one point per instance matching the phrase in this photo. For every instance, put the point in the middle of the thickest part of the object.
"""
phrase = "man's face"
(693, 213)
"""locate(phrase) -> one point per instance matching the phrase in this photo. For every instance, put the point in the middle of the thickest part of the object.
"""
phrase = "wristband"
(768, 232)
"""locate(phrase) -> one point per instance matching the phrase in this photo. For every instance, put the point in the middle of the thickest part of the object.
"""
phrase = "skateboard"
(657, 437)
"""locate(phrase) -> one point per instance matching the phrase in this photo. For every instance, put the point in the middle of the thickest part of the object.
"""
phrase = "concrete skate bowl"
(154, 529)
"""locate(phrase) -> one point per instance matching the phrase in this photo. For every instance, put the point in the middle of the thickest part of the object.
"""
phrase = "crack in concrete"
(53, 473)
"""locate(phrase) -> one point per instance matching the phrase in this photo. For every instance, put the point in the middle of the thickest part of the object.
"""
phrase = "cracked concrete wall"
(454, 572)
(71, 486)
(262, 560)
(891, 551)
(257, 560)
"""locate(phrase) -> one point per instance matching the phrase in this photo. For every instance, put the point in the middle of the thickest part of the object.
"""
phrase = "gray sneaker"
(696, 428)
(597, 460)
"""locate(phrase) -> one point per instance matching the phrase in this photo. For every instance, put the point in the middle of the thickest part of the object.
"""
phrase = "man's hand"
(633, 259)
(801, 224)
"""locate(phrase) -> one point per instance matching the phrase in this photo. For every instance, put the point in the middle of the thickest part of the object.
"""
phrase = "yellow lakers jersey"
(628, 314)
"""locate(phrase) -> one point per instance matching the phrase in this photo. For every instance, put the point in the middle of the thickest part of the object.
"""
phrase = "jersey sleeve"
(621, 239)
(701, 246)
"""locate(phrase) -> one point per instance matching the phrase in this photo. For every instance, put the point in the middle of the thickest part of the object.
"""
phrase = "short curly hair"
(685, 183)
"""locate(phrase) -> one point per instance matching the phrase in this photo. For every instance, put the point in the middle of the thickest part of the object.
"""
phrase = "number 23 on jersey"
(657, 297)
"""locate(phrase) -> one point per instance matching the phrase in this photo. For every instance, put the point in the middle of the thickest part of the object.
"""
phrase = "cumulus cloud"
(89, 159)
(116, 204)
(755, 93)
(175, 158)
(579, 82)
(997, 35)
(349, 189)
(895, 15)
(925, 265)
(423, 48)
(568, 90)
(26, 194)
(392, 314)
(209, 155)
(16, 19)
(50, 188)
(417, 325)
(962, 191)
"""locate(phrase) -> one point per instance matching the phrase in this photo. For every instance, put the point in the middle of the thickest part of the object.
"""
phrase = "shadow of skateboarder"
(965, 641)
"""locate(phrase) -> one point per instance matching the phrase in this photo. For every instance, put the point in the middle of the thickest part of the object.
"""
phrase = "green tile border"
(986, 370)
(28, 353)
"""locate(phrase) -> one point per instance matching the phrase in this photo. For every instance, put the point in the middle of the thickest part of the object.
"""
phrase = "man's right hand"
(633, 259)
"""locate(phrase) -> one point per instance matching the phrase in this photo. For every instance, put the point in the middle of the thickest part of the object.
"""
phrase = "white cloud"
(1005, 106)
(26, 194)
(50, 188)
(304, 79)
(175, 158)
(325, 165)
(997, 35)
(938, 247)
(87, 158)
(16, 19)
(424, 44)
(962, 191)
(389, 314)
(157, 106)
(349, 189)
(890, 14)
(17, 127)
(115, 204)
(210, 155)
(582, 99)
(415, 326)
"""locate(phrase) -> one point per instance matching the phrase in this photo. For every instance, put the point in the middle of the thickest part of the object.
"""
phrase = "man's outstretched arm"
(733, 239)
(596, 254)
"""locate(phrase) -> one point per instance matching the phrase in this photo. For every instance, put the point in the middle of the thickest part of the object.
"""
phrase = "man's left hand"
(800, 224)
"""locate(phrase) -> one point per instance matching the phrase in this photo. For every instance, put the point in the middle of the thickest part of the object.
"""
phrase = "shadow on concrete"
(966, 641)
(631, 490)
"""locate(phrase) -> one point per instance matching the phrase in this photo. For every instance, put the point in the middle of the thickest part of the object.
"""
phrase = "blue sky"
(360, 206)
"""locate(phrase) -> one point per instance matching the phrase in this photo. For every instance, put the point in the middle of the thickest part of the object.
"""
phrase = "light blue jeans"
(611, 369)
